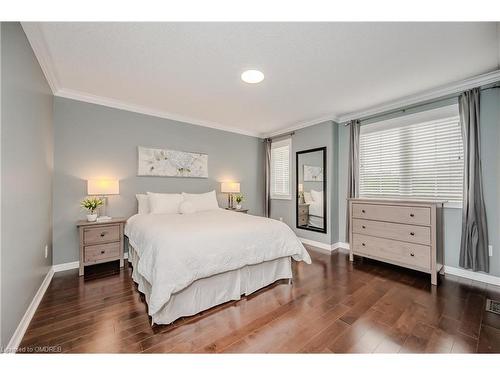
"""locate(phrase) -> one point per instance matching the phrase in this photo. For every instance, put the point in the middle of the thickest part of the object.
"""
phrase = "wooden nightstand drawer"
(303, 219)
(108, 233)
(99, 253)
(100, 242)
(303, 210)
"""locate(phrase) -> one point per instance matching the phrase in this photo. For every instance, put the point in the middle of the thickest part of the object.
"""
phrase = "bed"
(187, 263)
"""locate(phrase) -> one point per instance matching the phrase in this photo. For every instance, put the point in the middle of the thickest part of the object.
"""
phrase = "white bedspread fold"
(175, 250)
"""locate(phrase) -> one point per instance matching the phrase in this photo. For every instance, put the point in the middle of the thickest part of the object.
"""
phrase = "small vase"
(238, 206)
(91, 217)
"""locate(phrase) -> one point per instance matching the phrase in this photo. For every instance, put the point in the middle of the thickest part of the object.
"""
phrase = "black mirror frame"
(325, 221)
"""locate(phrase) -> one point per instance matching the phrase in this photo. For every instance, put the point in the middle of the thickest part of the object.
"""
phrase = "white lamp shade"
(230, 187)
(103, 187)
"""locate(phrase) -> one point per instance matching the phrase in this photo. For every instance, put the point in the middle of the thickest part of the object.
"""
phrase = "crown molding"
(120, 104)
(35, 37)
(435, 93)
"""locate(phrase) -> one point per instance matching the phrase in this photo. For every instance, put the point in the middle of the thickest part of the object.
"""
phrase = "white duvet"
(175, 250)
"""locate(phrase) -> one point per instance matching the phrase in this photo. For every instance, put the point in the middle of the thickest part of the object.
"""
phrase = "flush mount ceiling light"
(252, 76)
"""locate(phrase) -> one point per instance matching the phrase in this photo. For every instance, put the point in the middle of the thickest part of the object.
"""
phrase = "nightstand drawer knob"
(103, 234)
(363, 244)
(412, 254)
(412, 233)
(412, 215)
(103, 251)
(363, 211)
(363, 226)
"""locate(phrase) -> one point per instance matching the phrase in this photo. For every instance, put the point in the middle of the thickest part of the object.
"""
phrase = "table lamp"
(230, 188)
(103, 188)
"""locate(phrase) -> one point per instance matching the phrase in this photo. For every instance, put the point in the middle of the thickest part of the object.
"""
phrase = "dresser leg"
(80, 270)
(351, 257)
(434, 278)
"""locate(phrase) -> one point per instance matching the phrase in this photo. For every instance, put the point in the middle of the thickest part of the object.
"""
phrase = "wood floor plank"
(333, 306)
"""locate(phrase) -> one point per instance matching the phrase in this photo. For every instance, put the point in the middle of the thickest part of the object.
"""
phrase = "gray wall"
(26, 176)
(321, 135)
(93, 141)
(490, 155)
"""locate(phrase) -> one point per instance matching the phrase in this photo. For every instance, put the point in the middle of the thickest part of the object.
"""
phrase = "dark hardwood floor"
(333, 306)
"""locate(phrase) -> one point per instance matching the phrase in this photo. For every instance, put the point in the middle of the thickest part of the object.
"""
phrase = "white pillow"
(164, 203)
(142, 203)
(202, 202)
(307, 197)
(317, 196)
(186, 207)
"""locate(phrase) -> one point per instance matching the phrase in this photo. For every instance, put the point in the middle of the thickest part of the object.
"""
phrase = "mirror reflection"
(311, 189)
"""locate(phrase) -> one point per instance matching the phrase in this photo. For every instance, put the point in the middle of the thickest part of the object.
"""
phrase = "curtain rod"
(281, 135)
(403, 110)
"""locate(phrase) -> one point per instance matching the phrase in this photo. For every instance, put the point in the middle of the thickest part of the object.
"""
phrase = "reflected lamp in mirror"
(301, 193)
(230, 188)
(103, 188)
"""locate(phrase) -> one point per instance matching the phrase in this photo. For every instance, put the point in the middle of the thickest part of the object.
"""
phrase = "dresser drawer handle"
(412, 215)
(412, 233)
(363, 211)
(103, 234)
(412, 254)
(103, 251)
(363, 226)
(363, 244)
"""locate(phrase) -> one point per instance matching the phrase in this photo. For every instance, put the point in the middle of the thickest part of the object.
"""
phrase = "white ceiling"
(191, 71)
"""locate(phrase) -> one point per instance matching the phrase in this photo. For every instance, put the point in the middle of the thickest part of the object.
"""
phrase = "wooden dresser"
(405, 233)
(100, 242)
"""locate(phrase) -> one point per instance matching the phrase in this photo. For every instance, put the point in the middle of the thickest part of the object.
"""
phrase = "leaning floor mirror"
(311, 189)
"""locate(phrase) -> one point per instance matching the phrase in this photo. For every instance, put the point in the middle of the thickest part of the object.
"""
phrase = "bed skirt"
(208, 292)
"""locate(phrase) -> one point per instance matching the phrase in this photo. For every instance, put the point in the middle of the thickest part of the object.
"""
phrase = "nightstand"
(303, 218)
(100, 242)
(242, 210)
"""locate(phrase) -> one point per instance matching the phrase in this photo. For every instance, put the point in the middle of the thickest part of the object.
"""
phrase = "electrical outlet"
(46, 251)
(490, 250)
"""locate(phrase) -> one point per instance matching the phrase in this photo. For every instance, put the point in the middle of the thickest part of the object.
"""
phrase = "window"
(280, 169)
(417, 156)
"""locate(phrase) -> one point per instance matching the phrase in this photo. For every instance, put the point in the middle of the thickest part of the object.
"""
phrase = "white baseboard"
(317, 244)
(72, 265)
(28, 315)
(341, 245)
(65, 266)
(325, 246)
(477, 276)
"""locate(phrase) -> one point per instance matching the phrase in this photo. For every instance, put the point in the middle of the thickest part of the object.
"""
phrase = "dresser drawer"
(402, 232)
(98, 253)
(402, 253)
(102, 234)
(399, 214)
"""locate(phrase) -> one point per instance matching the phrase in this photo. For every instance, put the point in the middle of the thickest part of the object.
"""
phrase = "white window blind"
(416, 156)
(280, 169)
